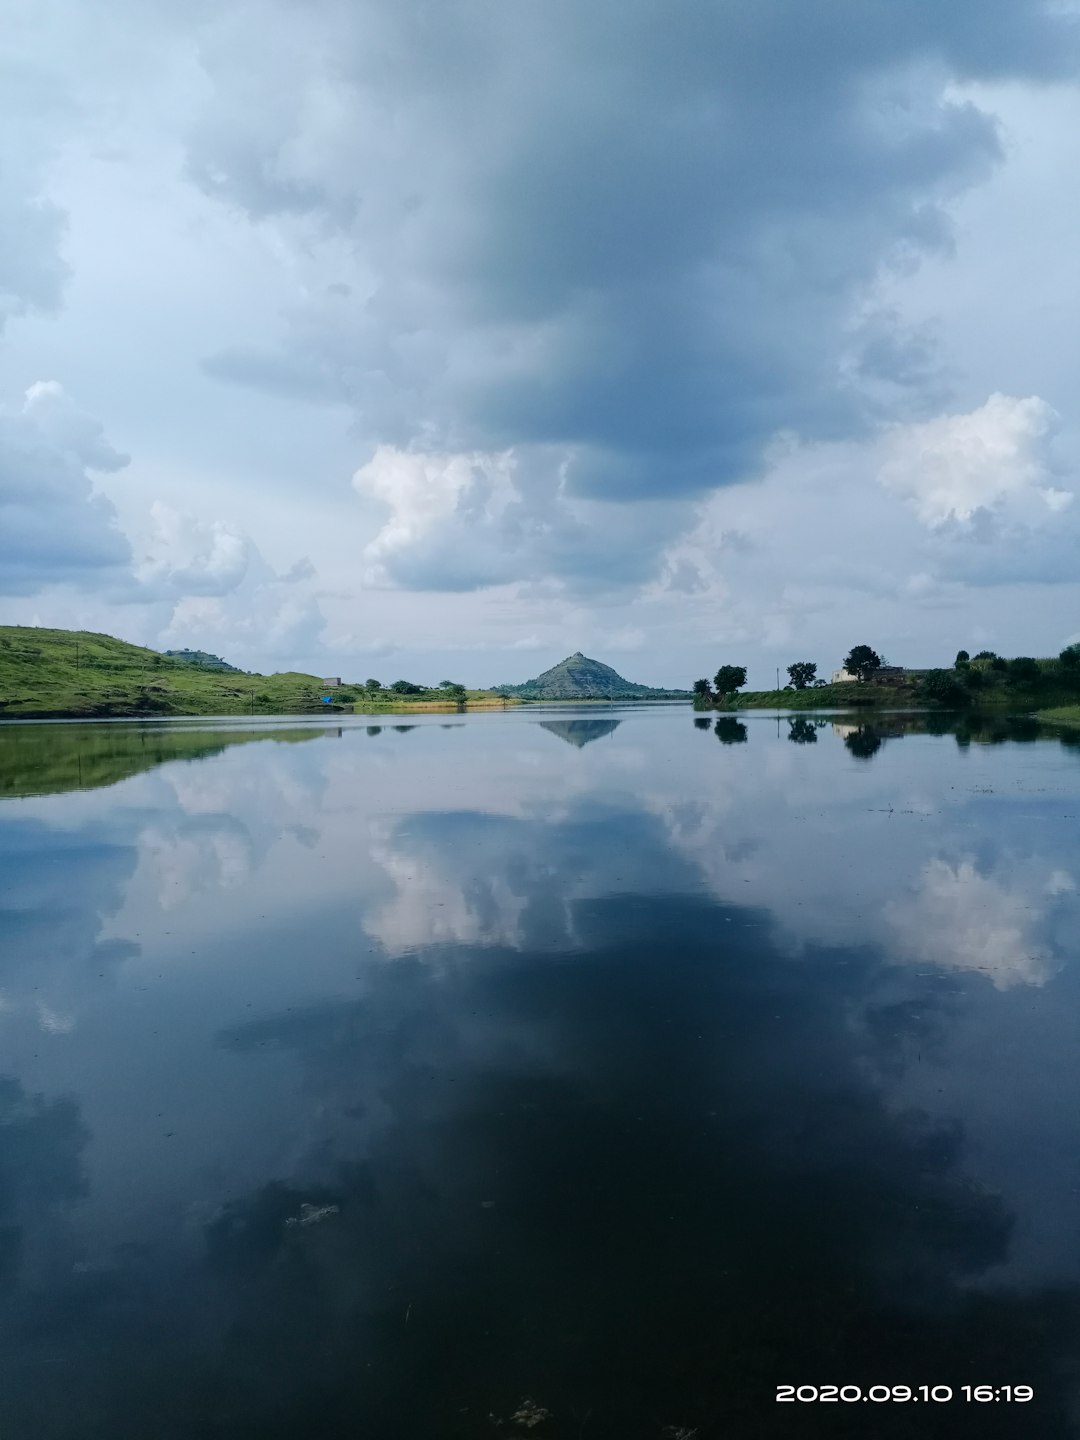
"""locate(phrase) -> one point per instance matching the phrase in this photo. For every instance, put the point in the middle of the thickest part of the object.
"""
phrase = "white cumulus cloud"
(995, 458)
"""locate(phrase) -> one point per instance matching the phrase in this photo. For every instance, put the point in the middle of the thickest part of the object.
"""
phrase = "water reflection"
(50, 759)
(802, 731)
(373, 1089)
(730, 731)
(864, 741)
(580, 732)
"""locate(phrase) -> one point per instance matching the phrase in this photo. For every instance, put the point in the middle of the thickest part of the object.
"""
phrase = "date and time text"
(905, 1394)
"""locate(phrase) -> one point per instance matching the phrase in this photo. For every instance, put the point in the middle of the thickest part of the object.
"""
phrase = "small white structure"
(329, 682)
(886, 675)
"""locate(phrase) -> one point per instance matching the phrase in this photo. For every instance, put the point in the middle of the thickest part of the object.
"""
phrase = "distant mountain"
(579, 678)
(203, 658)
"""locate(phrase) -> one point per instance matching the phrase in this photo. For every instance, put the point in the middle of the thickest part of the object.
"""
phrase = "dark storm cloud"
(636, 232)
(54, 528)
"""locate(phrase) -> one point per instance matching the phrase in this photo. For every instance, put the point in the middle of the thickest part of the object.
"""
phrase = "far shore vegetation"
(1050, 686)
(66, 674)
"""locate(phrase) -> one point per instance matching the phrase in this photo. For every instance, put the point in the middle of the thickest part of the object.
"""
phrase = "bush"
(1024, 669)
(943, 687)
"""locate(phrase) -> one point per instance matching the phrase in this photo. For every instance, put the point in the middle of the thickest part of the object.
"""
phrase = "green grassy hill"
(77, 673)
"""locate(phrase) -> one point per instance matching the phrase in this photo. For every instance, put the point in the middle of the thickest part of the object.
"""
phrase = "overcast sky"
(443, 339)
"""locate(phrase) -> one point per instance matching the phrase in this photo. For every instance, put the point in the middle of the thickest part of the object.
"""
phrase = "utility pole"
(778, 677)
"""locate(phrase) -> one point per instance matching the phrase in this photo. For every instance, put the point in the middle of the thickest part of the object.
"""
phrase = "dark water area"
(552, 1072)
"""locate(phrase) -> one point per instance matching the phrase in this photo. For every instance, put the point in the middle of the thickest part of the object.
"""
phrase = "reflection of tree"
(729, 731)
(373, 729)
(702, 722)
(802, 731)
(864, 743)
(580, 732)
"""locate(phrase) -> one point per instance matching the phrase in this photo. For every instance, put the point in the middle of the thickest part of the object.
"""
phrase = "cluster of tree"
(969, 674)
(1023, 667)
(861, 661)
(445, 690)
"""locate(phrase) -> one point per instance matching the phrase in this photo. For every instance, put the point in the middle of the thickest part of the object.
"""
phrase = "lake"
(565, 1072)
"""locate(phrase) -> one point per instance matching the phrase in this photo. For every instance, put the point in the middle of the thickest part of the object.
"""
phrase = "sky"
(405, 339)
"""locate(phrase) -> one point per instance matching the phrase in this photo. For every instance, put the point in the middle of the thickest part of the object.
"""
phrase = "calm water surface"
(564, 1073)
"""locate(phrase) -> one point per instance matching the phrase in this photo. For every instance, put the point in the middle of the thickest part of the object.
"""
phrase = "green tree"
(1024, 669)
(802, 673)
(986, 655)
(729, 678)
(943, 687)
(702, 689)
(862, 661)
(962, 658)
(1070, 657)
(405, 687)
(373, 685)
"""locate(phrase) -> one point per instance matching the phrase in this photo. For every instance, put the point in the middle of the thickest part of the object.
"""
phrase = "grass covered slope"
(1061, 715)
(78, 673)
(827, 697)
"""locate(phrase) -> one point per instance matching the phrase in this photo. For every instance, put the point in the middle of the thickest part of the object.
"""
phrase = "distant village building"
(887, 675)
(330, 681)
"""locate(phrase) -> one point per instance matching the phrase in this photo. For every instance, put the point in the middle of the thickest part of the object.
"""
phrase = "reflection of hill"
(48, 759)
(580, 732)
